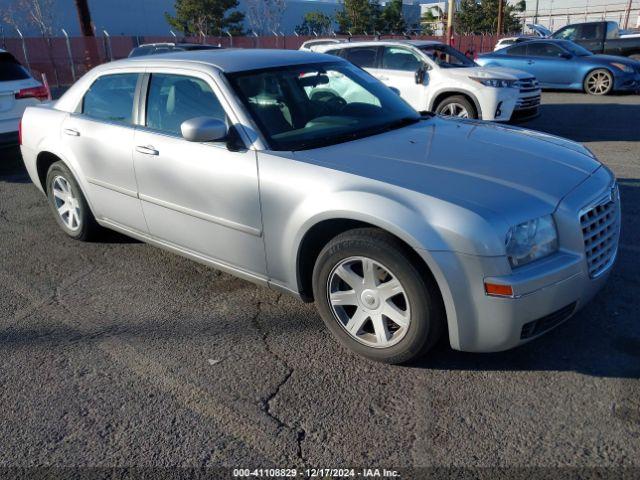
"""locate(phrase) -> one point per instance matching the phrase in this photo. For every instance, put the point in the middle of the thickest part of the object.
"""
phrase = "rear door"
(201, 197)
(100, 137)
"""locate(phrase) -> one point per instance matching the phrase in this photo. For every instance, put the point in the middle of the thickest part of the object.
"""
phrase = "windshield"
(447, 57)
(310, 106)
(575, 48)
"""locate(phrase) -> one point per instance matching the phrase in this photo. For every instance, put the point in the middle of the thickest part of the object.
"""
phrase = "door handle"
(147, 150)
(72, 132)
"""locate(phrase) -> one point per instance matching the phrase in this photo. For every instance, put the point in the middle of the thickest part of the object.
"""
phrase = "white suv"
(435, 77)
(18, 90)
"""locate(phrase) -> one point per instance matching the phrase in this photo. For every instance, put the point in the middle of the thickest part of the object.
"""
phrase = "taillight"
(40, 92)
(20, 132)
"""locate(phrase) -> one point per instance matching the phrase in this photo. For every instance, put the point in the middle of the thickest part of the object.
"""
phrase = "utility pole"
(450, 11)
(626, 15)
(535, 17)
(84, 17)
(500, 16)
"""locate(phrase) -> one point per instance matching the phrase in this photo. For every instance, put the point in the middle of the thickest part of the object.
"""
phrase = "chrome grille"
(528, 85)
(527, 102)
(600, 229)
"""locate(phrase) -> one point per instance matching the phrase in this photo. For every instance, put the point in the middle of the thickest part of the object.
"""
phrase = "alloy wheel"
(66, 203)
(599, 83)
(454, 110)
(369, 302)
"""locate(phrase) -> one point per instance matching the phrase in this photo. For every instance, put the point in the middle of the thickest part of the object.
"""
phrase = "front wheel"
(598, 82)
(456, 106)
(373, 298)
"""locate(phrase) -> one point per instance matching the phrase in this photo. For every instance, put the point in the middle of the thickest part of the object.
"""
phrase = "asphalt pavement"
(118, 354)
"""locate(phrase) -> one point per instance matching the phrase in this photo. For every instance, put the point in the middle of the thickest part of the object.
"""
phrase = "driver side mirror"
(421, 75)
(204, 129)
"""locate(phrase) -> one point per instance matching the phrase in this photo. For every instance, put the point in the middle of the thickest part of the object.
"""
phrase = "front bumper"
(627, 82)
(545, 293)
(497, 104)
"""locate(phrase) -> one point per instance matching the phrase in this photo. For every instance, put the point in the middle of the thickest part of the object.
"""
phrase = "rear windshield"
(10, 69)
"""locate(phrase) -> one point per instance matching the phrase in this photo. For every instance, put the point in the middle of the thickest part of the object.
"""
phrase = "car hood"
(488, 168)
(489, 72)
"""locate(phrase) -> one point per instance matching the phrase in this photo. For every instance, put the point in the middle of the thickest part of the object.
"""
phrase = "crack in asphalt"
(266, 401)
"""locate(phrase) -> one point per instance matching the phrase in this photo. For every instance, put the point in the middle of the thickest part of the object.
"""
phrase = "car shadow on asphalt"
(589, 122)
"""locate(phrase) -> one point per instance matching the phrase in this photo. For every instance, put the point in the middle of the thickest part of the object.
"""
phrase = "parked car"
(18, 90)
(302, 172)
(539, 32)
(432, 76)
(599, 37)
(312, 45)
(155, 48)
(562, 64)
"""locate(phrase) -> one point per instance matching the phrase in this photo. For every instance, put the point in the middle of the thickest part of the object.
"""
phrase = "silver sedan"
(302, 172)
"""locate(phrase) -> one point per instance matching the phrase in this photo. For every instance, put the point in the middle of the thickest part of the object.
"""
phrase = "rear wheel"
(68, 204)
(456, 106)
(598, 82)
(373, 298)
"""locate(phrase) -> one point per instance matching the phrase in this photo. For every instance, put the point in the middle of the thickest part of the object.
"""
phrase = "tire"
(457, 103)
(598, 82)
(77, 221)
(418, 304)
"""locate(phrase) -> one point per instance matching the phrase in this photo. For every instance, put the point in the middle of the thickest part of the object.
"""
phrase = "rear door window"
(10, 68)
(395, 58)
(110, 98)
(363, 57)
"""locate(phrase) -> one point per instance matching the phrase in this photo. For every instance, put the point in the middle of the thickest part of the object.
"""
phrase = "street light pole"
(450, 21)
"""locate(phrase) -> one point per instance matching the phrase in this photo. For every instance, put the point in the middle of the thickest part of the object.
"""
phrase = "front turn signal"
(497, 290)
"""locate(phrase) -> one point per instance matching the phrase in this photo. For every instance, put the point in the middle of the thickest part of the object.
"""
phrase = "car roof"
(171, 44)
(414, 43)
(231, 60)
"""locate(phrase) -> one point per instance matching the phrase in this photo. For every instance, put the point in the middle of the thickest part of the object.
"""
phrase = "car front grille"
(601, 230)
(528, 102)
(528, 85)
(547, 322)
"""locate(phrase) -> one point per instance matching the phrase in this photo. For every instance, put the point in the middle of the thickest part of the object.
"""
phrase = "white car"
(314, 45)
(18, 90)
(432, 76)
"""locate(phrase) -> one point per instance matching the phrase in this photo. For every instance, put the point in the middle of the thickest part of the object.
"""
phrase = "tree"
(317, 22)
(212, 17)
(481, 16)
(356, 16)
(391, 18)
(265, 16)
(38, 13)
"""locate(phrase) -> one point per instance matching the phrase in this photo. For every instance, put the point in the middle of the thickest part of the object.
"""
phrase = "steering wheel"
(329, 101)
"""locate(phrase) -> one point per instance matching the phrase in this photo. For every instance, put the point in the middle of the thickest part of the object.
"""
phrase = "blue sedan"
(562, 64)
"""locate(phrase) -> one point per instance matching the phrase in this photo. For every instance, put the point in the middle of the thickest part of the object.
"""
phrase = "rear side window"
(172, 99)
(110, 98)
(10, 68)
(363, 57)
(517, 50)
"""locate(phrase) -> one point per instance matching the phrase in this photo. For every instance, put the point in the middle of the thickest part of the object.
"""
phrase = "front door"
(549, 66)
(100, 138)
(201, 197)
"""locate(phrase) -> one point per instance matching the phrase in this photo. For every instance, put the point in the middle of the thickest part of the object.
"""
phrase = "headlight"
(623, 67)
(495, 82)
(531, 240)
